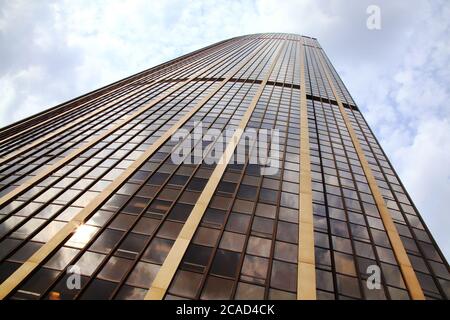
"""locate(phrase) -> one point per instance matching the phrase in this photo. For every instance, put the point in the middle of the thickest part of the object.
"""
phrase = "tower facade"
(243, 170)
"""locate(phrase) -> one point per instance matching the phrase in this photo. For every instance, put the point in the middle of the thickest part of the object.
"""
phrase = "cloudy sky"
(52, 51)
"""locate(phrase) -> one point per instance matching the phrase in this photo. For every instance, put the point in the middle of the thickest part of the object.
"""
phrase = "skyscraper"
(99, 199)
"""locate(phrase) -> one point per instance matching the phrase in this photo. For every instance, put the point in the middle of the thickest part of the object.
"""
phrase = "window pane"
(98, 290)
(38, 283)
(348, 286)
(158, 250)
(254, 269)
(185, 284)
(286, 251)
(131, 293)
(246, 291)
(259, 246)
(238, 222)
(143, 275)
(180, 212)
(287, 232)
(225, 263)
(196, 258)
(61, 258)
(232, 241)
(132, 245)
(88, 262)
(115, 269)
(106, 241)
(284, 276)
(206, 236)
(217, 288)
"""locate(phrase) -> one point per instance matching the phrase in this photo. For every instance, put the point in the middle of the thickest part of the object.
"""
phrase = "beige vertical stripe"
(306, 282)
(165, 275)
(409, 275)
(37, 258)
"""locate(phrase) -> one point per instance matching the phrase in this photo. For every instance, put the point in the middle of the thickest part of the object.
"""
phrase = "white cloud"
(424, 168)
(52, 51)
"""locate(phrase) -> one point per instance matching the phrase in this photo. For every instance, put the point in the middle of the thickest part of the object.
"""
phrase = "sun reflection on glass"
(82, 235)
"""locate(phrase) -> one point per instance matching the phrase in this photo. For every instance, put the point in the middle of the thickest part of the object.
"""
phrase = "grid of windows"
(246, 245)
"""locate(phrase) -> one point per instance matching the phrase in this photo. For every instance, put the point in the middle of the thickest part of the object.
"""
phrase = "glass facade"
(93, 205)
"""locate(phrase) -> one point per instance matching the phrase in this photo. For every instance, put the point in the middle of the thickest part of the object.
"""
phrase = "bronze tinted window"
(225, 263)
(185, 284)
(115, 269)
(196, 258)
(284, 276)
(106, 241)
(158, 250)
(254, 269)
(143, 275)
(180, 212)
(238, 222)
(217, 288)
